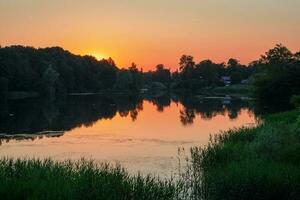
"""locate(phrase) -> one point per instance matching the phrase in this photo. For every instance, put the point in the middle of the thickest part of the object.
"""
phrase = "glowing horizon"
(153, 32)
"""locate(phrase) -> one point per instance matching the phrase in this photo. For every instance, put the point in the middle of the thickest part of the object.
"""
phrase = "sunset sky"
(153, 31)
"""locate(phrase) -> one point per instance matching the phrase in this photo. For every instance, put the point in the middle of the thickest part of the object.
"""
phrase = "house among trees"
(226, 80)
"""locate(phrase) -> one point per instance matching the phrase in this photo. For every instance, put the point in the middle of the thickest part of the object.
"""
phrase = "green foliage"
(236, 78)
(207, 73)
(24, 68)
(124, 80)
(278, 76)
(162, 75)
(54, 69)
(250, 163)
(187, 65)
(295, 101)
(232, 89)
(190, 85)
(136, 77)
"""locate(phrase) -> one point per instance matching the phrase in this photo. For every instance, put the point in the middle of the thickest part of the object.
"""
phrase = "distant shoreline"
(234, 91)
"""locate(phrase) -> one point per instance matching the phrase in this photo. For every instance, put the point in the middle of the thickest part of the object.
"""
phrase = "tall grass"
(47, 179)
(250, 163)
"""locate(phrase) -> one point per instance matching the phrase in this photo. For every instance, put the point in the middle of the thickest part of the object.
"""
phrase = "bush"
(295, 101)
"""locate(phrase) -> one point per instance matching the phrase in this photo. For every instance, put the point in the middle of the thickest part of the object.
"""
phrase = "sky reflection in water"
(142, 134)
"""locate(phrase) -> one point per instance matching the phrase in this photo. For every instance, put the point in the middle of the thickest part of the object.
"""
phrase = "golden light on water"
(148, 145)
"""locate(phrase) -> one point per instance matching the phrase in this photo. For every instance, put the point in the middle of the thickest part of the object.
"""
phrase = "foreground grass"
(36, 179)
(250, 163)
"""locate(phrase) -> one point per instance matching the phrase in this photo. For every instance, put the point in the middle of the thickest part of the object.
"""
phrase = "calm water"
(142, 134)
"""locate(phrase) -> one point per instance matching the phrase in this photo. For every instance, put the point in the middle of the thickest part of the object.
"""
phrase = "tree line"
(54, 71)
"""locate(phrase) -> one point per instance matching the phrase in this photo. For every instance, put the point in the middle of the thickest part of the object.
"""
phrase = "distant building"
(226, 80)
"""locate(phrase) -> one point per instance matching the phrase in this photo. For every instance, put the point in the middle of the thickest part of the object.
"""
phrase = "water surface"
(142, 134)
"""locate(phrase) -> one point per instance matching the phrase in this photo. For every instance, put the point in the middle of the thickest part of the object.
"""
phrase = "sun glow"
(99, 56)
(150, 32)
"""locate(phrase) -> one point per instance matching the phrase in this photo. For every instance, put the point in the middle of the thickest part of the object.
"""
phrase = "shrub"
(295, 101)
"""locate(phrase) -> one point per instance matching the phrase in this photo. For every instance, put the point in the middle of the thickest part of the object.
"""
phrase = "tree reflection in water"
(38, 117)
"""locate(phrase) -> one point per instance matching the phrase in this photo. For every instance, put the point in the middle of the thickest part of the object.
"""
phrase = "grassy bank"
(251, 163)
(232, 89)
(235, 90)
(36, 179)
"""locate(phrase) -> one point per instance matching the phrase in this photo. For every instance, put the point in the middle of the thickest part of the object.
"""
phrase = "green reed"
(48, 179)
(250, 163)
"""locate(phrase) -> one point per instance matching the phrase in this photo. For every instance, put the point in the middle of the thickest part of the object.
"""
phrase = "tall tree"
(279, 75)
(162, 74)
(186, 66)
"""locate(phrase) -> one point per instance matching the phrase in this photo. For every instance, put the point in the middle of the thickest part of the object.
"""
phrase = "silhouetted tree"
(136, 77)
(124, 80)
(133, 68)
(187, 116)
(277, 57)
(25, 69)
(236, 78)
(186, 66)
(111, 62)
(279, 75)
(208, 72)
(232, 62)
(162, 74)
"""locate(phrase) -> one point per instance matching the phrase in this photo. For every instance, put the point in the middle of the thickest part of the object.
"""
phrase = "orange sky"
(153, 31)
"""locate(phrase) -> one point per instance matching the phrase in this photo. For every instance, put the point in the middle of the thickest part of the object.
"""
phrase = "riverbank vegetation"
(46, 179)
(232, 90)
(251, 163)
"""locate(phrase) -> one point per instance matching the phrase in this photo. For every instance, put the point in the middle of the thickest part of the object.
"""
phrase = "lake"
(143, 134)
